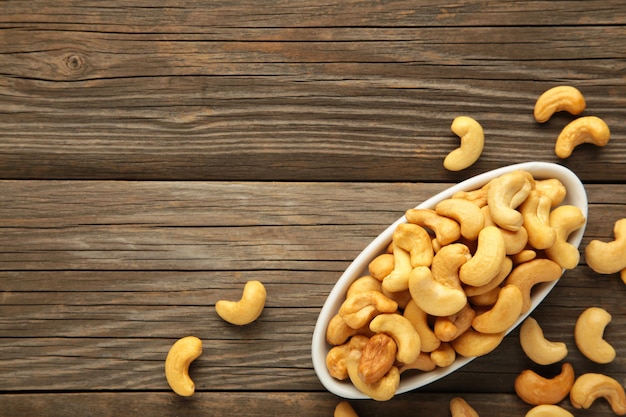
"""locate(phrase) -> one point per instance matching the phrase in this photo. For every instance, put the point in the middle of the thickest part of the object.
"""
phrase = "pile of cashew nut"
(452, 282)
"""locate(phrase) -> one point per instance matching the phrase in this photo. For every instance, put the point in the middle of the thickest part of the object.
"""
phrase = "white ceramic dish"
(576, 195)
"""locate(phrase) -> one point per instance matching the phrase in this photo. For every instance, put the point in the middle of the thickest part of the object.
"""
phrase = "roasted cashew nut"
(589, 332)
(181, 354)
(536, 213)
(473, 343)
(556, 99)
(537, 347)
(247, 309)
(565, 220)
(434, 297)
(505, 194)
(472, 144)
(535, 389)
(587, 129)
(467, 214)
(338, 331)
(548, 410)
(416, 241)
(487, 260)
(377, 357)
(362, 284)
(505, 270)
(503, 314)
(344, 409)
(337, 356)
(446, 230)
(444, 355)
(423, 363)
(450, 327)
(591, 386)
(552, 188)
(398, 279)
(461, 408)
(381, 266)
(525, 276)
(382, 390)
(360, 308)
(608, 258)
(403, 333)
(419, 319)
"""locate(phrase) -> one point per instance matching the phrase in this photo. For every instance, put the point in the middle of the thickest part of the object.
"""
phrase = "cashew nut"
(337, 355)
(247, 309)
(608, 258)
(472, 143)
(398, 279)
(563, 97)
(381, 266)
(537, 347)
(473, 343)
(507, 266)
(450, 327)
(525, 276)
(338, 331)
(360, 308)
(423, 363)
(591, 386)
(419, 319)
(403, 333)
(344, 409)
(535, 389)
(505, 194)
(362, 284)
(461, 408)
(434, 297)
(377, 357)
(444, 355)
(181, 354)
(589, 332)
(467, 214)
(478, 196)
(564, 220)
(552, 188)
(503, 314)
(446, 264)
(446, 230)
(587, 129)
(548, 410)
(382, 390)
(536, 213)
(414, 239)
(514, 242)
(487, 260)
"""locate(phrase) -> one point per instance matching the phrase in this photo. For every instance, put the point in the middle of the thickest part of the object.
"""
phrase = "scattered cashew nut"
(247, 309)
(181, 354)
(548, 410)
(537, 347)
(608, 258)
(588, 335)
(588, 129)
(472, 144)
(591, 386)
(461, 408)
(344, 409)
(556, 99)
(535, 389)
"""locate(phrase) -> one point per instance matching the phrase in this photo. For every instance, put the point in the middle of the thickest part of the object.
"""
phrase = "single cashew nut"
(337, 331)
(362, 284)
(360, 308)
(514, 242)
(548, 410)
(591, 386)
(552, 188)
(472, 143)
(564, 220)
(434, 297)
(403, 333)
(446, 264)
(505, 270)
(382, 390)
(419, 319)
(181, 354)
(537, 347)
(587, 129)
(467, 214)
(589, 332)
(414, 239)
(487, 260)
(446, 230)
(377, 357)
(444, 355)
(398, 279)
(247, 309)
(503, 314)
(381, 266)
(525, 276)
(535, 389)
(505, 194)
(473, 343)
(337, 356)
(423, 363)
(608, 258)
(478, 196)
(344, 409)
(556, 99)
(461, 408)
(450, 327)
(536, 213)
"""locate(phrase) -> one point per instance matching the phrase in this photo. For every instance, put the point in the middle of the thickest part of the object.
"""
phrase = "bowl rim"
(576, 195)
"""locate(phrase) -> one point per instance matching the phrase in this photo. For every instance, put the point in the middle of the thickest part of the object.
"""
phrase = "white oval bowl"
(576, 196)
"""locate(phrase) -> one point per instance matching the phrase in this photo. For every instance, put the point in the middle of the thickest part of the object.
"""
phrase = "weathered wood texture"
(156, 155)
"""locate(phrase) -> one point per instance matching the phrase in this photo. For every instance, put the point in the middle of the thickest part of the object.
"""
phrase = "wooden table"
(156, 155)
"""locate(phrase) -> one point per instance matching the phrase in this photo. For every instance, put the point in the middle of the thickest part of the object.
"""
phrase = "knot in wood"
(73, 64)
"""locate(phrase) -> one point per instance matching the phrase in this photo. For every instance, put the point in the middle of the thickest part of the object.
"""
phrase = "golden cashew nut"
(337, 355)
(434, 297)
(403, 333)
(344, 409)
(377, 357)
(556, 99)
(564, 220)
(419, 319)
(589, 332)
(337, 331)
(382, 390)
(450, 327)
(473, 343)
(503, 314)
(591, 386)
(444, 355)
(381, 266)
(446, 264)
(505, 194)
(362, 284)
(588, 129)
(472, 143)
(478, 196)
(461, 408)
(398, 279)
(487, 260)
(467, 214)
(537, 347)
(525, 276)
(505, 270)
(422, 363)
(548, 410)
(247, 309)
(360, 308)
(181, 354)
(446, 230)
(608, 258)
(415, 240)
(536, 213)
(552, 188)
(536, 390)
